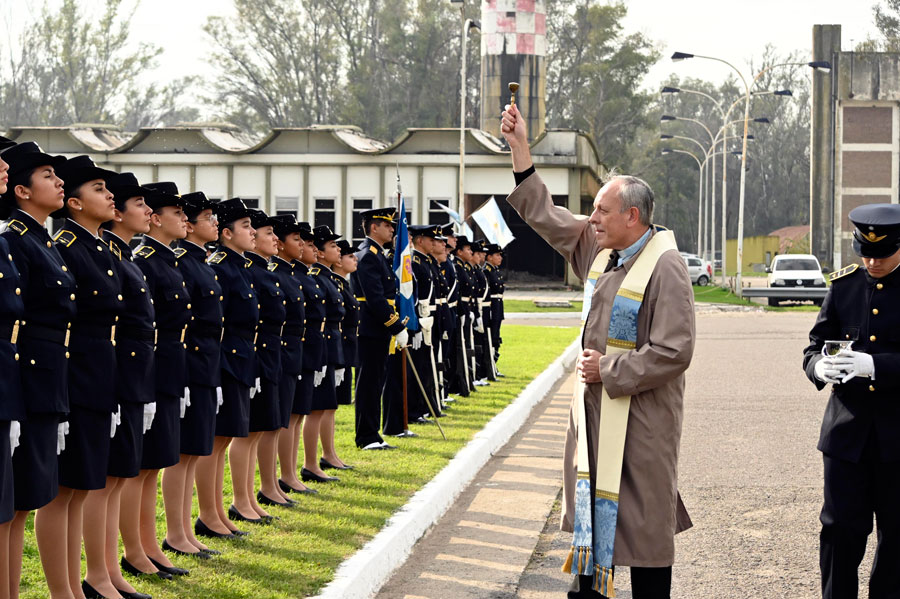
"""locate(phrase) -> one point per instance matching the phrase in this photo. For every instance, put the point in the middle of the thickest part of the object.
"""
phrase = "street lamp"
(822, 65)
(464, 36)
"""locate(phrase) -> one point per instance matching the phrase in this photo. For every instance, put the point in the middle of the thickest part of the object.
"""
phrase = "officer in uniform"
(496, 287)
(427, 293)
(463, 377)
(452, 327)
(859, 440)
(350, 325)
(483, 368)
(375, 288)
(443, 317)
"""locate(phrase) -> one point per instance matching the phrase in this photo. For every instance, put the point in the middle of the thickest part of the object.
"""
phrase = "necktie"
(613, 261)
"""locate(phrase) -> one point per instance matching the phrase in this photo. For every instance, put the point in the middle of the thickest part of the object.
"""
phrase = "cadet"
(496, 285)
(483, 370)
(203, 338)
(452, 327)
(443, 318)
(12, 409)
(162, 442)
(463, 377)
(859, 440)
(47, 289)
(426, 305)
(135, 384)
(375, 287)
(287, 229)
(350, 325)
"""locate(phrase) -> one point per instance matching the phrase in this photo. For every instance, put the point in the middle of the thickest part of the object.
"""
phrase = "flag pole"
(402, 353)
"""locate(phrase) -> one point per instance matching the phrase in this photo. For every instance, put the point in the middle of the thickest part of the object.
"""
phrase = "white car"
(795, 270)
(699, 269)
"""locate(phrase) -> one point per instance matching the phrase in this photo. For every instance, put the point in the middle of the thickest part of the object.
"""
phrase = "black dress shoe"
(173, 570)
(326, 465)
(289, 489)
(127, 567)
(89, 591)
(211, 551)
(236, 515)
(308, 476)
(134, 595)
(240, 533)
(199, 554)
(202, 530)
(266, 501)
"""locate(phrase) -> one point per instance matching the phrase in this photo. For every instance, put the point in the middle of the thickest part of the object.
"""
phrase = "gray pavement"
(749, 474)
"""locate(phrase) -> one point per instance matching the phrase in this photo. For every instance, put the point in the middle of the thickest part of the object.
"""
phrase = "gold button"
(221, 299)
(114, 343)
(879, 286)
(871, 387)
(33, 362)
(64, 269)
(72, 297)
(59, 282)
(49, 245)
(872, 338)
(120, 297)
(99, 248)
(249, 295)
(216, 277)
(96, 292)
(234, 351)
(196, 348)
(188, 306)
(18, 291)
(176, 296)
(278, 284)
(109, 272)
(133, 354)
(875, 311)
(143, 290)
(212, 292)
(17, 357)
(846, 336)
(183, 284)
(67, 355)
(264, 344)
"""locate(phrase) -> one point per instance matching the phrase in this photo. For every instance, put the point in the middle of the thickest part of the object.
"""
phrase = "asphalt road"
(749, 474)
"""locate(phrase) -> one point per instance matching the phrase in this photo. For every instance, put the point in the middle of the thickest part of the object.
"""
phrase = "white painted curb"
(365, 572)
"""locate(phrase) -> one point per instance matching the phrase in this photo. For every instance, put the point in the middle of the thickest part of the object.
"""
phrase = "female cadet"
(12, 408)
(314, 358)
(92, 399)
(287, 229)
(324, 402)
(48, 293)
(198, 428)
(238, 357)
(350, 325)
(157, 261)
(264, 418)
(134, 387)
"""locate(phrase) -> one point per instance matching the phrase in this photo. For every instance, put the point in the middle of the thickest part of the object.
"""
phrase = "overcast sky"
(733, 30)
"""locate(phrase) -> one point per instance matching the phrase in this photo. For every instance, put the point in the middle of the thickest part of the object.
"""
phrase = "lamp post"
(823, 65)
(464, 36)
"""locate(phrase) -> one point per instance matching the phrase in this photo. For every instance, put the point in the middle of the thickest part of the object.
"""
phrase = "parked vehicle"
(795, 270)
(700, 270)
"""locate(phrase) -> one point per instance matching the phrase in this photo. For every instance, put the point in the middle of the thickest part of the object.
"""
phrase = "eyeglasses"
(211, 218)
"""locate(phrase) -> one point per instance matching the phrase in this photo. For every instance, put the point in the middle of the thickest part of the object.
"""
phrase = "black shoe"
(404, 435)
(211, 551)
(199, 554)
(307, 476)
(134, 595)
(236, 515)
(289, 489)
(89, 591)
(202, 530)
(326, 465)
(240, 533)
(266, 501)
(128, 568)
(173, 570)
(386, 446)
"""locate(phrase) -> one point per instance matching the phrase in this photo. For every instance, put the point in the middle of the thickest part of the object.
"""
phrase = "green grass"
(299, 554)
(716, 295)
(528, 306)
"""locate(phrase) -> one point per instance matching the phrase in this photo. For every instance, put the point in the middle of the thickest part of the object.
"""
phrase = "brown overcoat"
(650, 508)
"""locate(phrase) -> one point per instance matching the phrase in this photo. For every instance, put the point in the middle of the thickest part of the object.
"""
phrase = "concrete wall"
(758, 253)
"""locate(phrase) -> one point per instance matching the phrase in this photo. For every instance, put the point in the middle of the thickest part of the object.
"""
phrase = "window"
(251, 202)
(324, 213)
(694, 262)
(287, 205)
(436, 216)
(796, 264)
(356, 234)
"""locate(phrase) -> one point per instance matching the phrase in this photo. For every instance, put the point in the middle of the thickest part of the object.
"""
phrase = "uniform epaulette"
(315, 271)
(843, 272)
(373, 249)
(145, 251)
(179, 252)
(488, 267)
(272, 266)
(417, 260)
(65, 237)
(17, 226)
(114, 249)
(217, 257)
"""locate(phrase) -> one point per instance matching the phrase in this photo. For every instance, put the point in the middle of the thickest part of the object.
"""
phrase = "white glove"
(319, 376)
(15, 431)
(403, 338)
(416, 340)
(854, 363)
(422, 308)
(479, 325)
(219, 399)
(61, 431)
(445, 337)
(338, 376)
(256, 388)
(472, 318)
(149, 413)
(185, 402)
(115, 421)
(826, 371)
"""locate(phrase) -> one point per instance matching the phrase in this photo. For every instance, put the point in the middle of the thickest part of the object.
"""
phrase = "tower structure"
(513, 48)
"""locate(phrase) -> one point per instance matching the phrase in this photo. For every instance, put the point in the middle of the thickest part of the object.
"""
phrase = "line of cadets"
(119, 363)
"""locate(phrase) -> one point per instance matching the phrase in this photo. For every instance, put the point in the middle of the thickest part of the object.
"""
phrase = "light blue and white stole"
(596, 514)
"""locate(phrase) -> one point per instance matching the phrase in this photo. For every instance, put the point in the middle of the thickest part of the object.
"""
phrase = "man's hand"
(589, 366)
(512, 126)
(853, 364)
(827, 372)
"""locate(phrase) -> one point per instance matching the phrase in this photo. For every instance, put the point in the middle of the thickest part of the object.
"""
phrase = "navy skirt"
(324, 397)
(303, 394)
(35, 465)
(233, 419)
(265, 408)
(344, 391)
(127, 447)
(7, 494)
(198, 427)
(286, 391)
(162, 443)
(85, 461)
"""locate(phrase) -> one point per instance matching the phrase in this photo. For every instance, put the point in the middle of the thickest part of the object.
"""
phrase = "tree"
(887, 21)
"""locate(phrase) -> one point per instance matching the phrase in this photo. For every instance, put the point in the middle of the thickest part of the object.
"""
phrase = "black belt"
(124, 331)
(93, 330)
(171, 334)
(243, 332)
(9, 331)
(270, 328)
(293, 329)
(205, 329)
(42, 333)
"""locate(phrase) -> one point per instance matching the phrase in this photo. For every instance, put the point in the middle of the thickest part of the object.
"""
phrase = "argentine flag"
(406, 305)
(493, 226)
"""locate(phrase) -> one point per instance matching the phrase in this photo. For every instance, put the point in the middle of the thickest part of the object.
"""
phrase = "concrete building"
(855, 141)
(327, 175)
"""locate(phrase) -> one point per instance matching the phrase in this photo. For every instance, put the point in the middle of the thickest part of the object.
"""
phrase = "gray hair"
(636, 193)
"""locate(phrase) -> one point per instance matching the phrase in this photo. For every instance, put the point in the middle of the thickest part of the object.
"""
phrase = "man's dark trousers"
(646, 583)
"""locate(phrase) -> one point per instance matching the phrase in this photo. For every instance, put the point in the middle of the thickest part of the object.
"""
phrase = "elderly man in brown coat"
(650, 511)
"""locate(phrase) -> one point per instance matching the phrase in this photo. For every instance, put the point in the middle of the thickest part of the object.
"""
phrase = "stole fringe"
(579, 561)
(603, 581)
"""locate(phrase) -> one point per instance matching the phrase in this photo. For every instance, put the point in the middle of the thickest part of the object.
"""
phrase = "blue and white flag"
(453, 213)
(465, 229)
(492, 224)
(406, 305)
